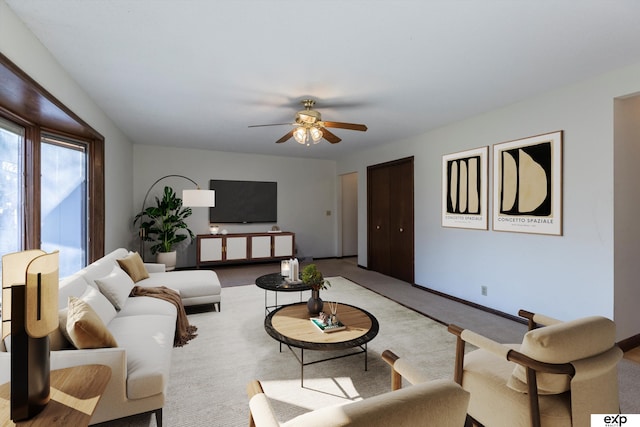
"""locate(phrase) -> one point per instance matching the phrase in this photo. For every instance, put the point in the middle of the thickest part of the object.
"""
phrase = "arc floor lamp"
(190, 198)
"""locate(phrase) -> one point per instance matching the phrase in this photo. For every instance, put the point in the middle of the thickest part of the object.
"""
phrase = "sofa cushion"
(116, 287)
(562, 343)
(103, 266)
(133, 265)
(100, 304)
(85, 328)
(71, 286)
(189, 283)
(148, 305)
(149, 343)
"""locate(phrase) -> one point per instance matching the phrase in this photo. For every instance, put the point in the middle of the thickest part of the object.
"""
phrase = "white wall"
(627, 207)
(306, 191)
(565, 276)
(19, 45)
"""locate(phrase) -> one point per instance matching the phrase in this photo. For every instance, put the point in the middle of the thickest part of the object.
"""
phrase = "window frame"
(27, 104)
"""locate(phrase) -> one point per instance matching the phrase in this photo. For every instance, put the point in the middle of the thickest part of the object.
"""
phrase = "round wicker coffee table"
(291, 325)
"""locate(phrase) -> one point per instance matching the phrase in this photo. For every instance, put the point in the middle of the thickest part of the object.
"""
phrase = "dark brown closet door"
(378, 220)
(391, 219)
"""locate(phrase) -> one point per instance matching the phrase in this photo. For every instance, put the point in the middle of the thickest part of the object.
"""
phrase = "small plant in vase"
(313, 278)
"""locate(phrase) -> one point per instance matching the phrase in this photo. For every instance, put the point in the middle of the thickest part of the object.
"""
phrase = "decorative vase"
(315, 304)
(168, 259)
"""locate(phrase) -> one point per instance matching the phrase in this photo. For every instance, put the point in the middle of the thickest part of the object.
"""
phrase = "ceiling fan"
(309, 126)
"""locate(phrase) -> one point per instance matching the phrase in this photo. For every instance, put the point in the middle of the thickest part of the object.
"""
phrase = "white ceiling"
(196, 73)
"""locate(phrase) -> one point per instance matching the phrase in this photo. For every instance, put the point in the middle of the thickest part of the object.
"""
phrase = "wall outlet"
(483, 290)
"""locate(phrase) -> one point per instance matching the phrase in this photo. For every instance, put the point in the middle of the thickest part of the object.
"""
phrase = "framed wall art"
(527, 185)
(464, 189)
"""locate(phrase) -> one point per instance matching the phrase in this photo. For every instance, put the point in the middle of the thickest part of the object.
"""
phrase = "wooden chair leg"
(534, 406)
(396, 379)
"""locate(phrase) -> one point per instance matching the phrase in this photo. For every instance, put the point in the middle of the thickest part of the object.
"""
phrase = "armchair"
(440, 402)
(560, 374)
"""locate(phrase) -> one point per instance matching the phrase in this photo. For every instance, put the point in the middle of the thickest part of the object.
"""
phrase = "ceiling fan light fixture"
(316, 134)
(300, 135)
(309, 127)
(308, 117)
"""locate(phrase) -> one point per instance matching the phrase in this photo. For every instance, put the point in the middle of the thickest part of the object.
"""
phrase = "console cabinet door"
(283, 245)
(236, 248)
(211, 249)
(260, 247)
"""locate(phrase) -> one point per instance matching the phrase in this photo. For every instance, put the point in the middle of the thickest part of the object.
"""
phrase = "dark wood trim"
(96, 193)
(391, 163)
(25, 102)
(629, 343)
(26, 98)
(32, 188)
(473, 304)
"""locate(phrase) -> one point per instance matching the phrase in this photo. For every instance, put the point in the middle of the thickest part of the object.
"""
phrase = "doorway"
(349, 219)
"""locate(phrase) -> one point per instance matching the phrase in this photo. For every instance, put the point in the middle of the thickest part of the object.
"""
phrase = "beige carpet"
(209, 375)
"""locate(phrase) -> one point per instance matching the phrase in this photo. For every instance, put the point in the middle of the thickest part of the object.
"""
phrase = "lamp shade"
(316, 134)
(199, 198)
(300, 135)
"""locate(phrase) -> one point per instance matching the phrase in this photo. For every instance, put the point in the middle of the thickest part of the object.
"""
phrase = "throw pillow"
(58, 340)
(116, 287)
(100, 304)
(85, 328)
(133, 265)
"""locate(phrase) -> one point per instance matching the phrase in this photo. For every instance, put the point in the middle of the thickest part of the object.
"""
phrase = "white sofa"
(143, 328)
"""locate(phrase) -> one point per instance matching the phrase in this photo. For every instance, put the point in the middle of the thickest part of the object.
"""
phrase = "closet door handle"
(377, 227)
(401, 229)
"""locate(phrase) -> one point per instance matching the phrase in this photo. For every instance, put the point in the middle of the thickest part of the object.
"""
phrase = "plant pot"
(315, 304)
(168, 259)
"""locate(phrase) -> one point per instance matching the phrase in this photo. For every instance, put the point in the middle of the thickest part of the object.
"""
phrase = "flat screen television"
(244, 202)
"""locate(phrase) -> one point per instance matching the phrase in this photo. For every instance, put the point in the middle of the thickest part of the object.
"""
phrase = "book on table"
(318, 323)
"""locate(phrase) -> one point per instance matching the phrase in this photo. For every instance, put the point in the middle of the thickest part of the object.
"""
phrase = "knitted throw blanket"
(184, 331)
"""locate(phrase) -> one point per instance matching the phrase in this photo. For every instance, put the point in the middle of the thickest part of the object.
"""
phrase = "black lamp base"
(30, 364)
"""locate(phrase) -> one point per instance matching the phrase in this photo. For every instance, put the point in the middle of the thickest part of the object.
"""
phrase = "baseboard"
(472, 304)
(629, 343)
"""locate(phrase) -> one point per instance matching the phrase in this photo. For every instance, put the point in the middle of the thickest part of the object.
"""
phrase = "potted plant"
(313, 278)
(162, 224)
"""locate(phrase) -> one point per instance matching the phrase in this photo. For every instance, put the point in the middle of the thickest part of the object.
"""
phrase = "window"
(11, 184)
(63, 201)
(51, 174)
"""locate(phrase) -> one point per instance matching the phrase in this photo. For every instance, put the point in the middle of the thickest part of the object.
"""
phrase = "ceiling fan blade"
(350, 126)
(272, 124)
(286, 137)
(329, 136)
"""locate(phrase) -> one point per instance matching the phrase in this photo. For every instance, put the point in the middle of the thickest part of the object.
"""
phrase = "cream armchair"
(561, 373)
(441, 403)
